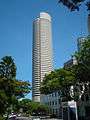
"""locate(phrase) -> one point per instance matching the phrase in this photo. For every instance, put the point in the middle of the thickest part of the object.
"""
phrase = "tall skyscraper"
(42, 62)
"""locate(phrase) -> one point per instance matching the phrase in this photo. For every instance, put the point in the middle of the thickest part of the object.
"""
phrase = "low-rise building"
(53, 101)
(70, 63)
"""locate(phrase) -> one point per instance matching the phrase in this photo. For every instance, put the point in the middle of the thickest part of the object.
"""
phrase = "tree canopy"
(31, 108)
(60, 79)
(75, 4)
(77, 76)
(82, 69)
(10, 88)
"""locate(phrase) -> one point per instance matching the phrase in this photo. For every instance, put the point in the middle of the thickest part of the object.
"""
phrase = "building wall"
(42, 53)
(46, 45)
(80, 41)
(53, 101)
(70, 63)
(36, 62)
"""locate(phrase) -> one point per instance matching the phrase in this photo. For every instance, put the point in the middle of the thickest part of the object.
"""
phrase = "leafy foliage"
(3, 101)
(21, 88)
(77, 76)
(74, 4)
(10, 87)
(7, 68)
(60, 79)
(32, 108)
(82, 69)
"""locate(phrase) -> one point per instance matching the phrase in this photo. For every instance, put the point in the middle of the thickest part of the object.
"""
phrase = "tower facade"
(42, 52)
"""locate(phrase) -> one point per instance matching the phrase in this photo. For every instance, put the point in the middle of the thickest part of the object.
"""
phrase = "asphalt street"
(27, 118)
(23, 118)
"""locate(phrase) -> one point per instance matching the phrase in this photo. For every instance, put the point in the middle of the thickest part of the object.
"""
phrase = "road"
(23, 118)
(26, 118)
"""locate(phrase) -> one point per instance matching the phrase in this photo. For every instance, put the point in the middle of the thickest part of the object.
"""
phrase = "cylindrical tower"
(42, 52)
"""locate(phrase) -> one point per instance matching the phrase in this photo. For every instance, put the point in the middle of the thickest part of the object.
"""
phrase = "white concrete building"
(42, 62)
(70, 63)
(53, 101)
(80, 41)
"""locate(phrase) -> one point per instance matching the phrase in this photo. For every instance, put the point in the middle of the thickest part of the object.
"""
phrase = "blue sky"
(16, 18)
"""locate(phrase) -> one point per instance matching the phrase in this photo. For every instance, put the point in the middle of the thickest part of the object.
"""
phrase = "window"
(55, 94)
(59, 93)
(55, 102)
(59, 101)
(52, 102)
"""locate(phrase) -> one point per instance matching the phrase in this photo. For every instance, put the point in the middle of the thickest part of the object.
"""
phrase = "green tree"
(7, 72)
(3, 102)
(7, 68)
(82, 69)
(60, 79)
(77, 76)
(10, 88)
(75, 4)
(32, 108)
